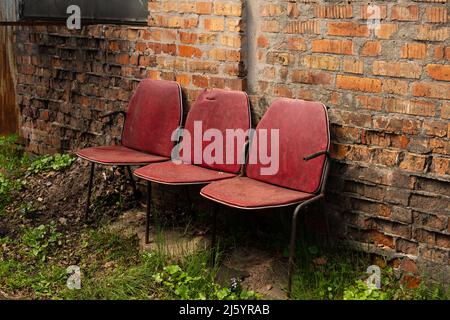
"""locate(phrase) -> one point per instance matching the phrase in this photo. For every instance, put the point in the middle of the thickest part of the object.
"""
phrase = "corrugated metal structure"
(9, 113)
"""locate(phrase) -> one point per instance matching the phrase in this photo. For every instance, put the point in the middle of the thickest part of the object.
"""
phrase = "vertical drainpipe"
(252, 23)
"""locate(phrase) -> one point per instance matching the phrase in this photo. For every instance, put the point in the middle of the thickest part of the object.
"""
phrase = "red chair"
(215, 109)
(154, 113)
(304, 142)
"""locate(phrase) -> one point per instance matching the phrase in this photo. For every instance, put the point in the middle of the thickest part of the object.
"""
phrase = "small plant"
(360, 291)
(12, 156)
(55, 162)
(39, 241)
(185, 286)
(26, 208)
(7, 188)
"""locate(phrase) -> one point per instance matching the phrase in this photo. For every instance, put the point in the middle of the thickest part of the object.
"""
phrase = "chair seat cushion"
(246, 193)
(118, 155)
(179, 174)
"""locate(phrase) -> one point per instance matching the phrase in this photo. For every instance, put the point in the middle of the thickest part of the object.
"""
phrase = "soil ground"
(59, 197)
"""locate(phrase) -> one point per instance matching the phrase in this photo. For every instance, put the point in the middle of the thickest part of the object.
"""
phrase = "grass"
(112, 268)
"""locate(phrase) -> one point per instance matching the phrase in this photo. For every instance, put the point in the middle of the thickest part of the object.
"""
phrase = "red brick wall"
(388, 94)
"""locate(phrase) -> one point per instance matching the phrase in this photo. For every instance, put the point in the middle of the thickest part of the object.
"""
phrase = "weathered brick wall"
(206, 37)
(388, 94)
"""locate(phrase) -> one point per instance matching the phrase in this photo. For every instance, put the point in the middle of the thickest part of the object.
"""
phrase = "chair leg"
(192, 212)
(88, 200)
(133, 183)
(149, 204)
(292, 250)
(214, 235)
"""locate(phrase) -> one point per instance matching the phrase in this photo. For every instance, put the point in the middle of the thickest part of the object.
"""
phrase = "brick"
(169, 6)
(386, 30)
(445, 110)
(369, 102)
(203, 7)
(381, 238)
(333, 46)
(234, 25)
(440, 166)
(414, 51)
(371, 49)
(225, 55)
(395, 86)
(270, 10)
(227, 9)
(321, 62)
(123, 59)
(200, 81)
(348, 29)
(401, 13)
(413, 162)
(367, 13)
(262, 41)
(435, 128)
(408, 265)
(431, 90)
(310, 26)
(426, 32)
(183, 79)
(443, 241)
(397, 69)
(214, 24)
(333, 11)
(228, 40)
(283, 58)
(430, 221)
(419, 108)
(358, 84)
(189, 51)
(206, 38)
(441, 53)
(406, 246)
(353, 66)
(436, 14)
(188, 37)
(439, 71)
(297, 44)
(282, 91)
(312, 77)
(292, 10)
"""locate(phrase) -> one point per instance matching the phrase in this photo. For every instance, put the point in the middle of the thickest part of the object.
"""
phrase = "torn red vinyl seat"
(215, 109)
(246, 193)
(118, 155)
(155, 111)
(303, 145)
(180, 174)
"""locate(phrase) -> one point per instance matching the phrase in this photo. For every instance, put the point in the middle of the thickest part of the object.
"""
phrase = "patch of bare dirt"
(258, 270)
(60, 197)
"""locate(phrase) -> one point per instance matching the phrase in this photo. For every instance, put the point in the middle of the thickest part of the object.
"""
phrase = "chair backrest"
(154, 113)
(303, 130)
(218, 111)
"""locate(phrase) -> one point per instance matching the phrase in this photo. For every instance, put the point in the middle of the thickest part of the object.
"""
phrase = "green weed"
(54, 162)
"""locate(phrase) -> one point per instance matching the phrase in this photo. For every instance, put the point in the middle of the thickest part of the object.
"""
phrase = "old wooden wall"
(9, 114)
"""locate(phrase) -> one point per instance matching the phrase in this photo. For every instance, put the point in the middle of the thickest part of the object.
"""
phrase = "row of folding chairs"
(154, 139)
